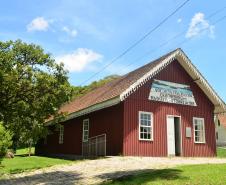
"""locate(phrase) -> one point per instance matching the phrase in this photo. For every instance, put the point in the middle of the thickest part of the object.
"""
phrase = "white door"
(170, 136)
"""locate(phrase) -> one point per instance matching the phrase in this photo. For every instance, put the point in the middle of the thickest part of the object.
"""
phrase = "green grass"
(221, 153)
(189, 175)
(186, 174)
(24, 151)
(21, 162)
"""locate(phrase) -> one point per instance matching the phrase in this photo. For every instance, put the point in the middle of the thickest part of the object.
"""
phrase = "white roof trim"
(148, 75)
(90, 109)
(220, 106)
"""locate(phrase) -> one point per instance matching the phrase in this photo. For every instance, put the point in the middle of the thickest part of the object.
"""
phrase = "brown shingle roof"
(111, 89)
(222, 119)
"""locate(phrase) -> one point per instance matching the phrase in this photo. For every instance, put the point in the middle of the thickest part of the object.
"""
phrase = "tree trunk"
(15, 143)
(29, 151)
(1, 157)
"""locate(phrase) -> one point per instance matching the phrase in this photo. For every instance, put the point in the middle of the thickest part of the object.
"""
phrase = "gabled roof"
(119, 89)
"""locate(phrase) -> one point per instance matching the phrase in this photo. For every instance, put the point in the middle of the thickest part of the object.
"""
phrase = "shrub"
(5, 141)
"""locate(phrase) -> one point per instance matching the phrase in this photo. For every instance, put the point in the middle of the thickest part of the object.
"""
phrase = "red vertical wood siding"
(108, 121)
(138, 101)
(120, 123)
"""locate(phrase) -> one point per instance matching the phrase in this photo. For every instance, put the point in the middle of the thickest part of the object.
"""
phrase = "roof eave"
(155, 70)
(92, 108)
(191, 70)
(201, 82)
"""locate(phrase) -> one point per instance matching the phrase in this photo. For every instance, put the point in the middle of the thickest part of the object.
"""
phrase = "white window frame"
(83, 130)
(151, 126)
(204, 131)
(61, 134)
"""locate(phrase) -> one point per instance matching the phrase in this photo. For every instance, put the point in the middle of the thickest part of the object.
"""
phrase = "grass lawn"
(209, 174)
(24, 151)
(21, 162)
(189, 175)
(221, 153)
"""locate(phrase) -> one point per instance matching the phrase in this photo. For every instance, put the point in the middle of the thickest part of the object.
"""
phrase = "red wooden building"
(161, 109)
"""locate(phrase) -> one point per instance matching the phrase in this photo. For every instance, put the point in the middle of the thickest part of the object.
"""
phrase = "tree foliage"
(5, 141)
(33, 87)
(81, 90)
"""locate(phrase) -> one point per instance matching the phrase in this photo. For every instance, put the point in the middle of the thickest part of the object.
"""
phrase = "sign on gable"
(170, 92)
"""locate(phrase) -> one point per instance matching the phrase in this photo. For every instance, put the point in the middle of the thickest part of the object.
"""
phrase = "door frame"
(180, 124)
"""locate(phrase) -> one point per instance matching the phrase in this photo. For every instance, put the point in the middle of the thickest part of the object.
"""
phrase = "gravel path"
(99, 170)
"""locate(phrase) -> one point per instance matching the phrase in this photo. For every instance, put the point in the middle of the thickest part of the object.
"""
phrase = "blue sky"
(86, 35)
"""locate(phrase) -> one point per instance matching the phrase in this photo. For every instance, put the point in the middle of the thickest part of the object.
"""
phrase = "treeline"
(82, 90)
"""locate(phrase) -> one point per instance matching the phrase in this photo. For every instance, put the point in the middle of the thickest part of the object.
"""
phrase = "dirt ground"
(99, 170)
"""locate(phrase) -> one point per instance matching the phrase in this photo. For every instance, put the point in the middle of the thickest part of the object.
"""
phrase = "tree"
(81, 90)
(33, 87)
(5, 141)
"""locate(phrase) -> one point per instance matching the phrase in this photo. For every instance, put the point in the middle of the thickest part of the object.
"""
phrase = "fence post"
(89, 146)
(105, 139)
(82, 149)
(96, 145)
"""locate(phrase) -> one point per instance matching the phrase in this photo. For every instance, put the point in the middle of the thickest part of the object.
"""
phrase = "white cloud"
(72, 33)
(79, 60)
(38, 24)
(179, 20)
(199, 25)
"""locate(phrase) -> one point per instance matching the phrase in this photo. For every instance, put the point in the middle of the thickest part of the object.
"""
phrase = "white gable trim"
(185, 62)
(220, 106)
(148, 76)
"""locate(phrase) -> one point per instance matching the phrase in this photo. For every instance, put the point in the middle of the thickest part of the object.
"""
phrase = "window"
(85, 130)
(199, 130)
(61, 134)
(217, 135)
(145, 126)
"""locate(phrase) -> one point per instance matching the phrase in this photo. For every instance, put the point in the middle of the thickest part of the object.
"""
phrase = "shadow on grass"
(23, 155)
(19, 170)
(133, 177)
(56, 177)
(141, 176)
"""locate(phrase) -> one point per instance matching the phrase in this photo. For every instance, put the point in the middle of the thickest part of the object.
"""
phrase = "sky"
(87, 35)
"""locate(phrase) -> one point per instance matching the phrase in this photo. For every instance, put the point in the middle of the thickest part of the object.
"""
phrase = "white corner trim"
(220, 106)
(90, 109)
